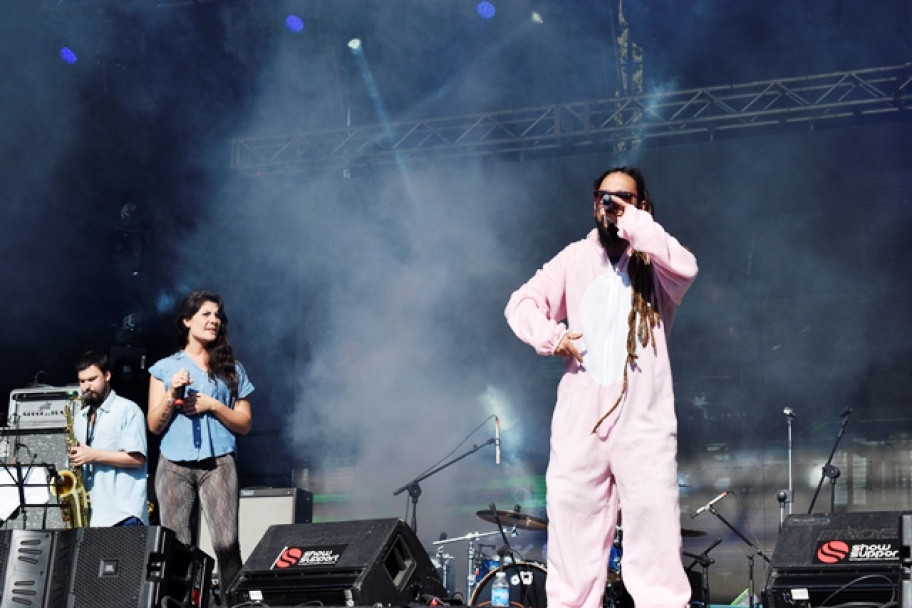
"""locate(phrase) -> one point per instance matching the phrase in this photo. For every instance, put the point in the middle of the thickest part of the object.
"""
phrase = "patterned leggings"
(214, 483)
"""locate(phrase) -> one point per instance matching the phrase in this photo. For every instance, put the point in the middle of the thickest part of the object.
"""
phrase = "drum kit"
(526, 578)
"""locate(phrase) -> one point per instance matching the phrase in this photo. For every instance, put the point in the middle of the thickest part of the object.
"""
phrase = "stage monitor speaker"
(905, 581)
(353, 563)
(125, 567)
(27, 455)
(260, 508)
(835, 557)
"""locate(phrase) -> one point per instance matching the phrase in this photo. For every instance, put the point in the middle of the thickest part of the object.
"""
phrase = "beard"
(94, 398)
(608, 234)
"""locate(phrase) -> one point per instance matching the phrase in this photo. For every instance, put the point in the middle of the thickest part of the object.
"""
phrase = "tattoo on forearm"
(163, 421)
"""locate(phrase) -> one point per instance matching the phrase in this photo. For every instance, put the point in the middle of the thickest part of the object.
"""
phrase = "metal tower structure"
(789, 104)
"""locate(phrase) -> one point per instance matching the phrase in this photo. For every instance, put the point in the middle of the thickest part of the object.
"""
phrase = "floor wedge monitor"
(360, 563)
(837, 558)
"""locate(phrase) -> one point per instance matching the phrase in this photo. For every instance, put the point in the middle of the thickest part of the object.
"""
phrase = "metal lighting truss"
(696, 114)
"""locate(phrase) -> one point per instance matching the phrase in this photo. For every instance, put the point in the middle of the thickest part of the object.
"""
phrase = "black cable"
(854, 581)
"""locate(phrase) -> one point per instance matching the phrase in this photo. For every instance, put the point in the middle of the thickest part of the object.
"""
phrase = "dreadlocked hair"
(644, 314)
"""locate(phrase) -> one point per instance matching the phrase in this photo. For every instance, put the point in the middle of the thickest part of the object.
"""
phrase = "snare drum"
(527, 586)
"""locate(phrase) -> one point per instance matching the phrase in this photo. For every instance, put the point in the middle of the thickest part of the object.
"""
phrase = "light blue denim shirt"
(194, 438)
(116, 493)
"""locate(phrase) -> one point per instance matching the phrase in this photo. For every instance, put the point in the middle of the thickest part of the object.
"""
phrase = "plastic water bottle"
(500, 591)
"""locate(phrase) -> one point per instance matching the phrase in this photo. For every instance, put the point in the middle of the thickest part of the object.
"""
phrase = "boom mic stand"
(414, 489)
(750, 556)
(829, 469)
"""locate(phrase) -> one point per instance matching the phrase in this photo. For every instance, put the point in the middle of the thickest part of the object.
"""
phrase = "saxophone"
(69, 487)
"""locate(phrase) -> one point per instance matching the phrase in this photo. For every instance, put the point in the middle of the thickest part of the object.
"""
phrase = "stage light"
(354, 44)
(294, 24)
(537, 18)
(485, 9)
(67, 55)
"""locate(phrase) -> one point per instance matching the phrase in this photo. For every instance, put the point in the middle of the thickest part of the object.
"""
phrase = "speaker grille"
(111, 565)
(137, 567)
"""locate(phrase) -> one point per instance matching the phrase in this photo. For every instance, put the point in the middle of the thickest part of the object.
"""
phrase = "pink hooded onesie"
(631, 459)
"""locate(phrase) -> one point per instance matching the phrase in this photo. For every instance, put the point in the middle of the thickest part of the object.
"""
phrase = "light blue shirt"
(194, 438)
(116, 493)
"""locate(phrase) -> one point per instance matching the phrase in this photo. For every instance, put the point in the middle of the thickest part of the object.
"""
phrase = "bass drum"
(527, 586)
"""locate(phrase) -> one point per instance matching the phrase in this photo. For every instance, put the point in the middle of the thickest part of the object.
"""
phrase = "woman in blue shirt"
(198, 403)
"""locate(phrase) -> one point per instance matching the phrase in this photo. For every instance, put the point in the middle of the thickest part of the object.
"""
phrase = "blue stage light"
(294, 23)
(67, 54)
(485, 10)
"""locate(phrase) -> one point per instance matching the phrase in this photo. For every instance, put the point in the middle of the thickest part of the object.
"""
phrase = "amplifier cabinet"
(39, 407)
(260, 508)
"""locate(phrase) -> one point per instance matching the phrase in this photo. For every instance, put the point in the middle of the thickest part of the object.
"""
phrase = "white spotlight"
(537, 18)
(354, 44)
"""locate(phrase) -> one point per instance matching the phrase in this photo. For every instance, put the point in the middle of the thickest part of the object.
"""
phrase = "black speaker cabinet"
(905, 558)
(835, 557)
(362, 563)
(132, 567)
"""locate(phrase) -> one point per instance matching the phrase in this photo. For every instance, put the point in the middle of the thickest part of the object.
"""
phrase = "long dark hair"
(222, 363)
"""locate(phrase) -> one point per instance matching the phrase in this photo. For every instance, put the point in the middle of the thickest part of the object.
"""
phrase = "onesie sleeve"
(675, 266)
(536, 311)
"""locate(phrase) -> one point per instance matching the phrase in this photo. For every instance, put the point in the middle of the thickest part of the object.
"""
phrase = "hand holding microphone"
(179, 383)
(612, 204)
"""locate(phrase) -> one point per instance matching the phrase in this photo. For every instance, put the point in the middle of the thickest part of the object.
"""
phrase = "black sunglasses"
(627, 197)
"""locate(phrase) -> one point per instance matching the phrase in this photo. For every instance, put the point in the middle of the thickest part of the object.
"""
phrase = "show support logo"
(297, 557)
(832, 552)
(836, 551)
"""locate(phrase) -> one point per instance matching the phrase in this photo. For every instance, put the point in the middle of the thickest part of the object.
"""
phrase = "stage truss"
(754, 108)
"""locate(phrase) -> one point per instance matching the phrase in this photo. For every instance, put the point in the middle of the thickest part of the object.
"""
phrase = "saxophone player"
(111, 450)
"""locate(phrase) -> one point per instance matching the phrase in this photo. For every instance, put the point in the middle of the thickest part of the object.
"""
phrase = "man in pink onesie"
(614, 430)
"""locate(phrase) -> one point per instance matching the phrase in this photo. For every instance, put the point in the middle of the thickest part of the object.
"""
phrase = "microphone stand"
(829, 469)
(470, 557)
(786, 498)
(750, 555)
(508, 549)
(705, 562)
(414, 489)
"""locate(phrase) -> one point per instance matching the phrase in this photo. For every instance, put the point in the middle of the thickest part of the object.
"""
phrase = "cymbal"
(692, 533)
(512, 518)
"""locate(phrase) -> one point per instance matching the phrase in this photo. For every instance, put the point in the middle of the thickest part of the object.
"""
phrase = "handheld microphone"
(496, 440)
(179, 393)
(709, 504)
